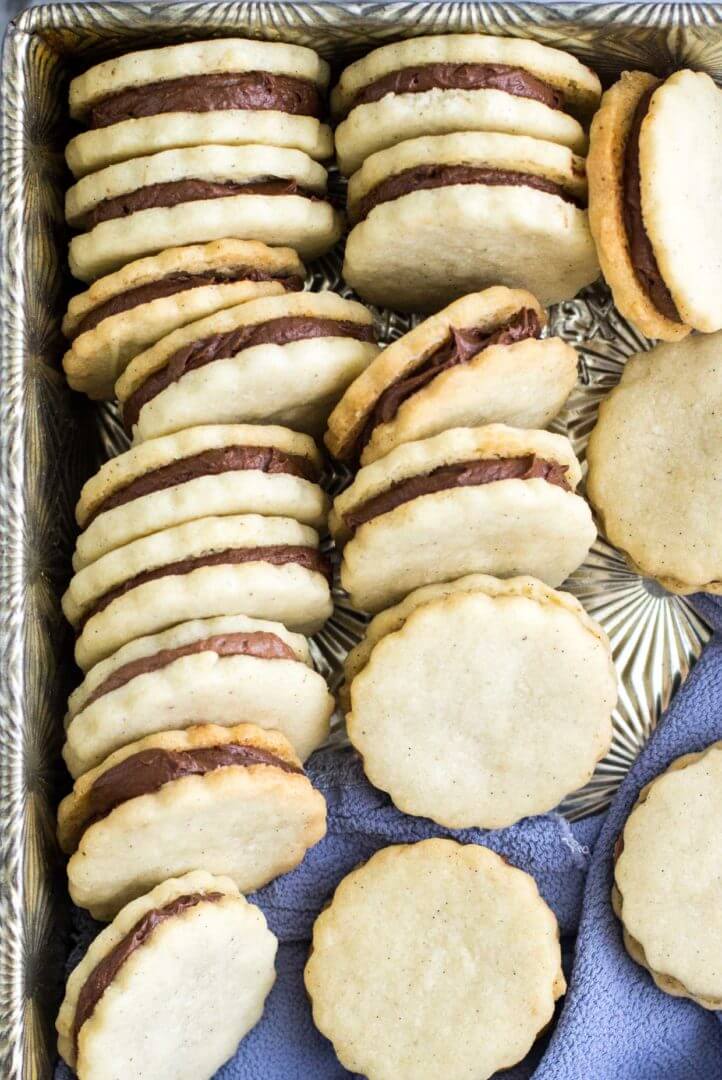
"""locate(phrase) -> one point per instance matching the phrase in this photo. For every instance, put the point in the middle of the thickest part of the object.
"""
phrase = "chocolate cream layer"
(641, 251)
(279, 331)
(179, 281)
(278, 555)
(460, 474)
(461, 347)
(213, 462)
(105, 971)
(214, 92)
(175, 192)
(426, 177)
(257, 643)
(448, 76)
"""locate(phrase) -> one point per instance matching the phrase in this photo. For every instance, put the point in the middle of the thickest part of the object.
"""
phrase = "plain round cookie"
(97, 356)
(655, 464)
(202, 975)
(172, 680)
(666, 879)
(437, 913)
(251, 822)
(189, 494)
(485, 707)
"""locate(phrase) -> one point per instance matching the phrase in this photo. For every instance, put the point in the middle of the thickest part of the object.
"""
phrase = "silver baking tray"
(51, 440)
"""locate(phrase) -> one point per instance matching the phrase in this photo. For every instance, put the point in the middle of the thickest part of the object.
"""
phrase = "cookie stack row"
(466, 162)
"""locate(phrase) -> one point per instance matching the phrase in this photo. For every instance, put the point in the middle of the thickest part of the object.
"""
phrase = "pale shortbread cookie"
(605, 171)
(374, 126)
(504, 528)
(180, 1003)
(437, 913)
(655, 464)
(524, 384)
(310, 226)
(99, 355)
(426, 248)
(484, 706)
(236, 491)
(180, 688)
(292, 594)
(666, 879)
(252, 822)
(193, 58)
(296, 384)
(680, 156)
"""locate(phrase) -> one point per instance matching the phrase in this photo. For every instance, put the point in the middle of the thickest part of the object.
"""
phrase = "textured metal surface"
(50, 441)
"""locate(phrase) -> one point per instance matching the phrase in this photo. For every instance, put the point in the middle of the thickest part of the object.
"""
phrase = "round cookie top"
(458, 915)
(655, 463)
(194, 58)
(580, 86)
(667, 877)
(681, 205)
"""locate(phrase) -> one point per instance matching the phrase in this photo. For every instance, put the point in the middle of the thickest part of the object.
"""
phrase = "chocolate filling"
(258, 643)
(461, 347)
(425, 177)
(105, 971)
(279, 331)
(277, 555)
(180, 281)
(461, 474)
(175, 192)
(209, 93)
(222, 459)
(641, 251)
(447, 76)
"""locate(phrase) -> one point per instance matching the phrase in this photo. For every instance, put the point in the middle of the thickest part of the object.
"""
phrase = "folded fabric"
(615, 1024)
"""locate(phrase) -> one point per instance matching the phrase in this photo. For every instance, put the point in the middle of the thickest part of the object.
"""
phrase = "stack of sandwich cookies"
(263, 567)
(229, 92)
(478, 361)
(667, 872)
(655, 170)
(217, 669)
(232, 801)
(457, 918)
(195, 195)
(439, 216)
(181, 975)
(479, 702)
(283, 359)
(124, 313)
(461, 82)
(220, 469)
(494, 500)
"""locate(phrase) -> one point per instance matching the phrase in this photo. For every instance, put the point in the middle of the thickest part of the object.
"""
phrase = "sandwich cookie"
(233, 801)
(171, 987)
(461, 82)
(264, 567)
(217, 669)
(123, 313)
(655, 221)
(478, 361)
(482, 702)
(283, 359)
(440, 216)
(655, 464)
(492, 500)
(668, 865)
(219, 469)
(189, 196)
(436, 913)
(230, 92)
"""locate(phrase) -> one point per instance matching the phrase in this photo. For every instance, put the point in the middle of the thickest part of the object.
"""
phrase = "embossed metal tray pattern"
(51, 440)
